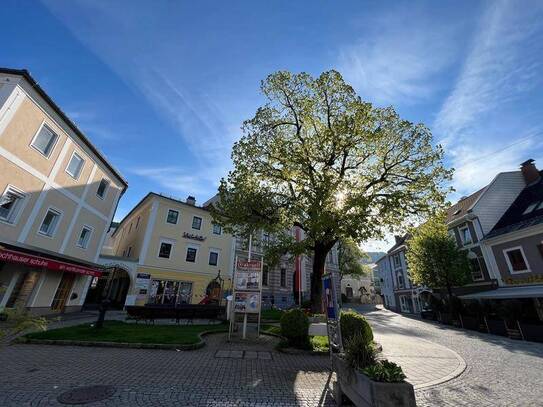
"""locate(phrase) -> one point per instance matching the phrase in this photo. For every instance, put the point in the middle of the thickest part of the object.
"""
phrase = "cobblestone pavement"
(34, 375)
(499, 372)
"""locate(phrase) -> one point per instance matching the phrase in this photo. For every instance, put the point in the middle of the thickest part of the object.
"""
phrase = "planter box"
(531, 332)
(496, 326)
(364, 392)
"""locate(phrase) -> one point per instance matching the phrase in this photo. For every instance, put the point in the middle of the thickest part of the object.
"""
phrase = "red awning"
(13, 256)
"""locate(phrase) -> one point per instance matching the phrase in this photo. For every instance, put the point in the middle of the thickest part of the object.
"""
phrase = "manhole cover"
(87, 394)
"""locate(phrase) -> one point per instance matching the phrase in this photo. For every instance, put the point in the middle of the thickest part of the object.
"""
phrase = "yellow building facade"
(58, 194)
(171, 251)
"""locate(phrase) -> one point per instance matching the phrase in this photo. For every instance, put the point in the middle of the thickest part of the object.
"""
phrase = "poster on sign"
(247, 302)
(331, 309)
(247, 276)
(142, 285)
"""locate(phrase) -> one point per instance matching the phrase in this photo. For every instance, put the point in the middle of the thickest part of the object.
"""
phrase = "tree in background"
(317, 157)
(350, 258)
(434, 259)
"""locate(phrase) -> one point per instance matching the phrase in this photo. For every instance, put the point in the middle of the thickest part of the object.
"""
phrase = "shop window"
(196, 222)
(50, 222)
(45, 141)
(283, 277)
(191, 254)
(170, 292)
(213, 258)
(84, 237)
(173, 216)
(75, 165)
(11, 204)
(102, 188)
(217, 229)
(516, 260)
(165, 250)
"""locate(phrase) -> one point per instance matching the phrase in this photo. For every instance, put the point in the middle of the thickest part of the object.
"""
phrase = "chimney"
(397, 239)
(529, 171)
(191, 200)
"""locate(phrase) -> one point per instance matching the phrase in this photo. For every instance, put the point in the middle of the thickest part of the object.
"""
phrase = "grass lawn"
(271, 329)
(271, 314)
(117, 331)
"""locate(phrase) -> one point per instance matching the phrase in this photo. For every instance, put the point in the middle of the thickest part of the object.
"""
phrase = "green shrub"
(294, 327)
(359, 354)
(353, 323)
(384, 371)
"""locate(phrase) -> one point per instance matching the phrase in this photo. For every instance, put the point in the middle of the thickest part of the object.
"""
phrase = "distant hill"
(373, 257)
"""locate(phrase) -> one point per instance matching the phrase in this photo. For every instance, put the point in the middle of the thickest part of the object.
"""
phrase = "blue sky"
(162, 90)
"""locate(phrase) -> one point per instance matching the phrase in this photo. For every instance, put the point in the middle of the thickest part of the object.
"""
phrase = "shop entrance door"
(63, 291)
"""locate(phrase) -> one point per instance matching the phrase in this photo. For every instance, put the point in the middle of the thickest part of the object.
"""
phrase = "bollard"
(104, 305)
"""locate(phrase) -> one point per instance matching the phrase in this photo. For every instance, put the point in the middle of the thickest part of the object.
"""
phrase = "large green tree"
(434, 258)
(317, 157)
(350, 258)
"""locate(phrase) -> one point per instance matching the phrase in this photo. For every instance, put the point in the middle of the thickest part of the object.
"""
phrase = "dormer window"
(465, 235)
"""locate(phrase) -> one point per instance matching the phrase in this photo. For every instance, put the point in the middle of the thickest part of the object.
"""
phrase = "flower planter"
(364, 392)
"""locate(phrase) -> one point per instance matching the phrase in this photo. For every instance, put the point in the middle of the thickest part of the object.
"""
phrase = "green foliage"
(350, 258)
(294, 327)
(20, 320)
(117, 331)
(320, 344)
(272, 314)
(318, 157)
(384, 371)
(434, 259)
(359, 354)
(352, 324)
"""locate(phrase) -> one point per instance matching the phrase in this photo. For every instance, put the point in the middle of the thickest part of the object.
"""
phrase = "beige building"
(58, 196)
(166, 251)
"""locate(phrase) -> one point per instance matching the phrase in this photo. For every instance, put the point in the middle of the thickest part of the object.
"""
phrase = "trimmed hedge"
(352, 323)
(294, 327)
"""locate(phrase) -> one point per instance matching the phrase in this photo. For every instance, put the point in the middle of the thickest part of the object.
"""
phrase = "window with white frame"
(196, 222)
(283, 279)
(465, 235)
(75, 165)
(45, 140)
(516, 260)
(165, 250)
(173, 216)
(11, 204)
(265, 274)
(213, 257)
(102, 188)
(50, 222)
(217, 229)
(129, 251)
(84, 237)
(191, 254)
(137, 222)
(476, 269)
(130, 228)
(404, 304)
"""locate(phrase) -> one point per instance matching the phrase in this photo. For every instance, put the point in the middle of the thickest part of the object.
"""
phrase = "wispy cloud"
(486, 110)
(400, 57)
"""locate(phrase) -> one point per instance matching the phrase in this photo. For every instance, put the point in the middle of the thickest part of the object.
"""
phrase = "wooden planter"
(364, 392)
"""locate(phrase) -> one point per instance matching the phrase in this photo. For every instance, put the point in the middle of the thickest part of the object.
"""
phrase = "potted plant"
(368, 381)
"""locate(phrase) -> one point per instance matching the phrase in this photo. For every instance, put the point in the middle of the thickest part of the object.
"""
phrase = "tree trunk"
(319, 261)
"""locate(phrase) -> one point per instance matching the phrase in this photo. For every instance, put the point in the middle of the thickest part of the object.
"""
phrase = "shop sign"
(193, 236)
(142, 284)
(247, 275)
(13, 256)
(536, 279)
(247, 302)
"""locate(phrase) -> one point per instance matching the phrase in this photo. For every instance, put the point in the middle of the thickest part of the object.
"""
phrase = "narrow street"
(499, 371)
